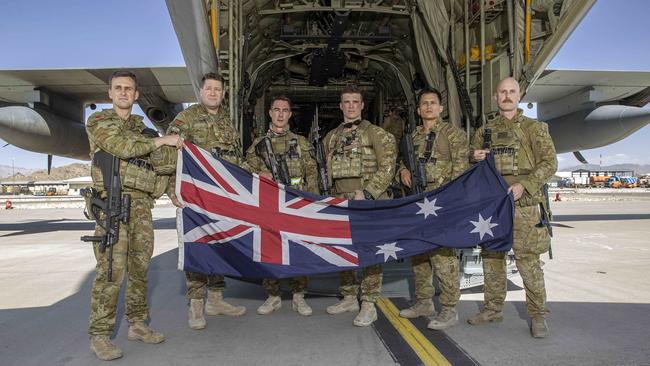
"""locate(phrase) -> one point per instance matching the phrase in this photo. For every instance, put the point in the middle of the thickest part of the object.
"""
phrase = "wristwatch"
(367, 195)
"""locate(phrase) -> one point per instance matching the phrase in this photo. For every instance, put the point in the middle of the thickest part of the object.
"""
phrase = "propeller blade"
(580, 158)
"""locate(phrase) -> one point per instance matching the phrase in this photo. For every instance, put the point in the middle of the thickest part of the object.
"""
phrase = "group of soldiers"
(361, 163)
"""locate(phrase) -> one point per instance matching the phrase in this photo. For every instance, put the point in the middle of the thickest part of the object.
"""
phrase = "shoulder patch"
(178, 122)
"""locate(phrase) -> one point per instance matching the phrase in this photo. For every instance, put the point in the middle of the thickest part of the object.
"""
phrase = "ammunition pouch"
(222, 153)
(163, 160)
(139, 175)
(160, 186)
(348, 165)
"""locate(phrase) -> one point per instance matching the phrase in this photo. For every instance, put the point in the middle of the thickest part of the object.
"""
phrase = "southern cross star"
(483, 226)
(389, 250)
(428, 207)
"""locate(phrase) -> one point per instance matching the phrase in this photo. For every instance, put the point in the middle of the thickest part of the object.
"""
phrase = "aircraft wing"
(587, 109)
(630, 87)
(84, 86)
(42, 110)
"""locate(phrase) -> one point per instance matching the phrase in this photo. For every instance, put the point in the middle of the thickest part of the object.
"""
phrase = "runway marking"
(427, 352)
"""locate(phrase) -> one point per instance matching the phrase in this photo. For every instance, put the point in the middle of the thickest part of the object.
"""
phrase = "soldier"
(208, 126)
(525, 156)
(118, 132)
(361, 164)
(297, 153)
(444, 149)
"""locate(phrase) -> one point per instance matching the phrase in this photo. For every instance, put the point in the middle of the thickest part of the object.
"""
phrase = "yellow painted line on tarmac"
(426, 351)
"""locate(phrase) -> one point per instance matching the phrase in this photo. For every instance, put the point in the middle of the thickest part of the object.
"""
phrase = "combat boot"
(447, 318)
(217, 305)
(195, 318)
(486, 316)
(367, 315)
(271, 304)
(103, 348)
(349, 303)
(420, 308)
(538, 327)
(300, 305)
(139, 331)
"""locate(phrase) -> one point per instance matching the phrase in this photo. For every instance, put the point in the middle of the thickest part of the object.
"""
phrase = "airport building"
(68, 187)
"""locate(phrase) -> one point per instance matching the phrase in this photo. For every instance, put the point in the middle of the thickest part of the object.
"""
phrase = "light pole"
(13, 170)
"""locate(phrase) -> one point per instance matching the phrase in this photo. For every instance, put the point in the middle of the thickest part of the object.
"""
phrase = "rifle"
(545, 217)
(116, 207)
(487, 139)
(275, 163)
(321, 161)
(413, 164)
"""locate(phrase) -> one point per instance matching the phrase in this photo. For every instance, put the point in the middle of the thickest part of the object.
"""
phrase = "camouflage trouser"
(198, 282)
(370, 284)
(445, 264)
(131, 254)
(529, 242)
(298, 285)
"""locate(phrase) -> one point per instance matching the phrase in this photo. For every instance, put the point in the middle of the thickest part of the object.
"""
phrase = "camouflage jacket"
(449, 152)
(297, 152)
(110, 133)
(361, 159)
(395, 126)
(209, 132)
(523, 152)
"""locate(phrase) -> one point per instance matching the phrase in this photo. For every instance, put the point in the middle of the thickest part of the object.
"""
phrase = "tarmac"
(597, 285)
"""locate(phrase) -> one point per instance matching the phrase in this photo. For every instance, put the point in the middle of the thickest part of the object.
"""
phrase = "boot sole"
(442, 327)
(495, 320)
(225, 313)
(341, 312)
(199, 327)
(365, 325)
(137, 338)
(105, 358)
(272, 310)
(416, 316)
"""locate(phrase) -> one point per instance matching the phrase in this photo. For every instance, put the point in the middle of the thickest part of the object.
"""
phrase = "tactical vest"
(351, 154)
(207, 132)
(509, 155)
(287, 147)
(136, 174)
(437, 161)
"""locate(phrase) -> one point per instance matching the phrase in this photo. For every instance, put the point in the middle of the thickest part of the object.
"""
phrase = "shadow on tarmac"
(601, 217)
(47, 226)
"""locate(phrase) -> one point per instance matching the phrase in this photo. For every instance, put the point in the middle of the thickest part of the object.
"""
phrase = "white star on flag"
(483, 226)
(388, 250)
(428, 207)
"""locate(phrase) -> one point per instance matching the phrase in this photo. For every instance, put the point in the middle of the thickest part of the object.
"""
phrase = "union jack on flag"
(238, 224)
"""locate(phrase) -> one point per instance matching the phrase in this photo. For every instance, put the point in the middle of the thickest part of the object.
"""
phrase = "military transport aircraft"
(311, 49)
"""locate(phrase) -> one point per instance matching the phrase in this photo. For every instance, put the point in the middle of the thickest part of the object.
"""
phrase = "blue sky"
(81, 33)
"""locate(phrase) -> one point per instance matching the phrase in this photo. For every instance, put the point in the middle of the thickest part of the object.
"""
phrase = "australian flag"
(238, 224)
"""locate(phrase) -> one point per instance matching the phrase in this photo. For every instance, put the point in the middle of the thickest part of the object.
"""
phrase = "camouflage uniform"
(299, 155)
(395, 126)
(215, 133)
(108, 132)
(524, 153)
(446, 161)
(362, 159)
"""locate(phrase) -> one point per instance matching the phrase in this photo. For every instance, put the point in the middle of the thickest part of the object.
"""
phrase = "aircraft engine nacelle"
(589, 129)
(44, 132)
